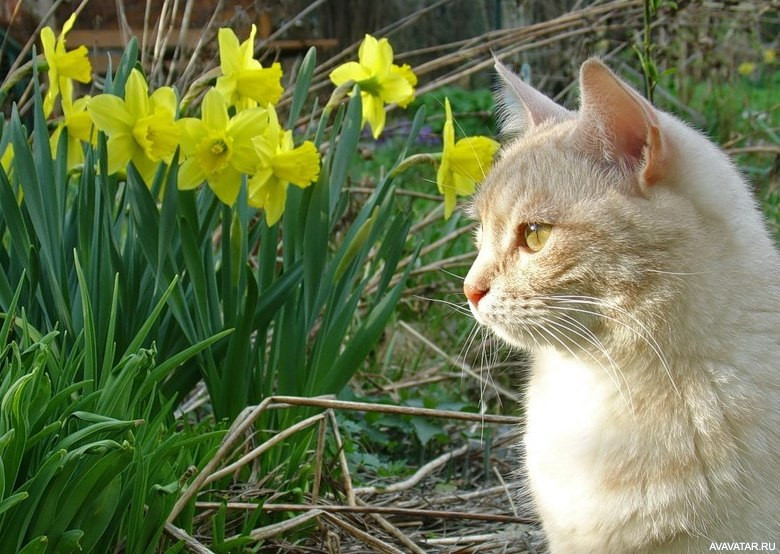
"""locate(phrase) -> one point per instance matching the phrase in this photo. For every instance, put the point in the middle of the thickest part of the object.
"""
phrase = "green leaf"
(346, 147)
(12, 501)
(139, 338)
(302, 81)
(90, 360)
(36, 546)
(424, 430)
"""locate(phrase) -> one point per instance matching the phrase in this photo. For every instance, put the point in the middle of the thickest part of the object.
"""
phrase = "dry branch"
(369, 509)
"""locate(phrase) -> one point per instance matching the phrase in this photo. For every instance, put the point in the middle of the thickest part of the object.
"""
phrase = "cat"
(625, 251)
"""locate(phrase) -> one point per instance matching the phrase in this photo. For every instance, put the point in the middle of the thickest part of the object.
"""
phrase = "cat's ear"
(620, 125)
(521, 107)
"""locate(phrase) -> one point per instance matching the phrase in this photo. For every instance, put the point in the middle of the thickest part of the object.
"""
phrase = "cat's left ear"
(621, 125)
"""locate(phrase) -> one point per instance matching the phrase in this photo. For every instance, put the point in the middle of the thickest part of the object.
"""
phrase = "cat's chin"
(514, 338)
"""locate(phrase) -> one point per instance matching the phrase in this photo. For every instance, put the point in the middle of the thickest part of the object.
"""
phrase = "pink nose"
(474, 294)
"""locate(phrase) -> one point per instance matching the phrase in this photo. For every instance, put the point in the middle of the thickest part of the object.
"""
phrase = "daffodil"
(218, 148)
(770, 56)
(140, 128)
(406, 72)
(245, 83)
(280, 164)
(463, 163)
(64, 66)
(80, 129)
(379, 79)
(746, 68)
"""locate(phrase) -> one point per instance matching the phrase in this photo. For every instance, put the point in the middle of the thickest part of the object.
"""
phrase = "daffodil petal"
(80, 126)
(137, 95)
(247, 124)
(120, 150)
(256, 185)
(48, 40)
(163, 97)
(214, 110)
(405, 71)
(395, 89)
(226, 86)
(473, 156)
(376, 56)
(244, 158)
(272, 197)
(226, 184)
(54, 139)
(190, 175)
(449, 202)
(299, 166)
(75, 65)
(463, 184)
(75, 152)
(350, 71)
(263, 85)
(374, 113)
(443, 176)
(110, 115)
(67, 26)
(146, 167)
(229, 54)
(192, 131)
(448, 134)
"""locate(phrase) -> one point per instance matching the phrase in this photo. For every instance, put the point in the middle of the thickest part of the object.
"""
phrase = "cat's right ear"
(521, 107)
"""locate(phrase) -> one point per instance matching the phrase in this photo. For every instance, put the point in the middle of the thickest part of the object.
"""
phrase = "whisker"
(599, 346)
(647, 336)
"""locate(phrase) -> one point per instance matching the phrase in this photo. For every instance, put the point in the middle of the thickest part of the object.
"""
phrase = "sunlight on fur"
(651, 307)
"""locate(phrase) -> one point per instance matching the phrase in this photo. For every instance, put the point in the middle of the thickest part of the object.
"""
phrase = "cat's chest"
(574, 421)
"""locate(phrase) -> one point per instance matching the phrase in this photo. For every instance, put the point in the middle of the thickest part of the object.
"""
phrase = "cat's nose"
(474, 294)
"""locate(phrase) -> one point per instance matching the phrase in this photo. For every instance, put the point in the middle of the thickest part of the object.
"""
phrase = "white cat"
(627, 253)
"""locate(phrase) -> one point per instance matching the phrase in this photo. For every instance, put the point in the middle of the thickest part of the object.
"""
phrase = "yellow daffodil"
(746, 68)
(218, 148)
(245, 83)
(80, 129)
(770, 56)
(281, 164)
(140, 128)
(463, 163)
(406, 72)
(64, 66)
(379, 79)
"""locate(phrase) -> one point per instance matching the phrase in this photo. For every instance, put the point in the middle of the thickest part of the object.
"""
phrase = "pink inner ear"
(622, 120)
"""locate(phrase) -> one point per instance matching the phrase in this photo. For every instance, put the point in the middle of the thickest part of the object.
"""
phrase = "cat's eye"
(533, 236)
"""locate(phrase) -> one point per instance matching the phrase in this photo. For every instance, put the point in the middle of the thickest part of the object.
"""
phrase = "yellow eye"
(535, 235)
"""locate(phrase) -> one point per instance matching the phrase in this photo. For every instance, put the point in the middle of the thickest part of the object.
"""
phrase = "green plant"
(86, 461)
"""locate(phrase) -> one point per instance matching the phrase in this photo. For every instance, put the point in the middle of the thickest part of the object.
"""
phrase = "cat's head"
(578, 213)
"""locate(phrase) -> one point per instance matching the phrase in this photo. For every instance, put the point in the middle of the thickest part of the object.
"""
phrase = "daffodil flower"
(379, 79)
(64, 66)
(140, 128)
(281, 164)
(245, 83)
(218, 148)
(406, 72)
(80, 129)
(463, 163)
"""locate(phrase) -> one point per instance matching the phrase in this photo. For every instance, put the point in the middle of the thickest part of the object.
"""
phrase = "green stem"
(417, 159)
(646, 48)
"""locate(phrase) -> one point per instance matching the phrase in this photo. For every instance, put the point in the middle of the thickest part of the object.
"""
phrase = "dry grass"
(409, 515)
